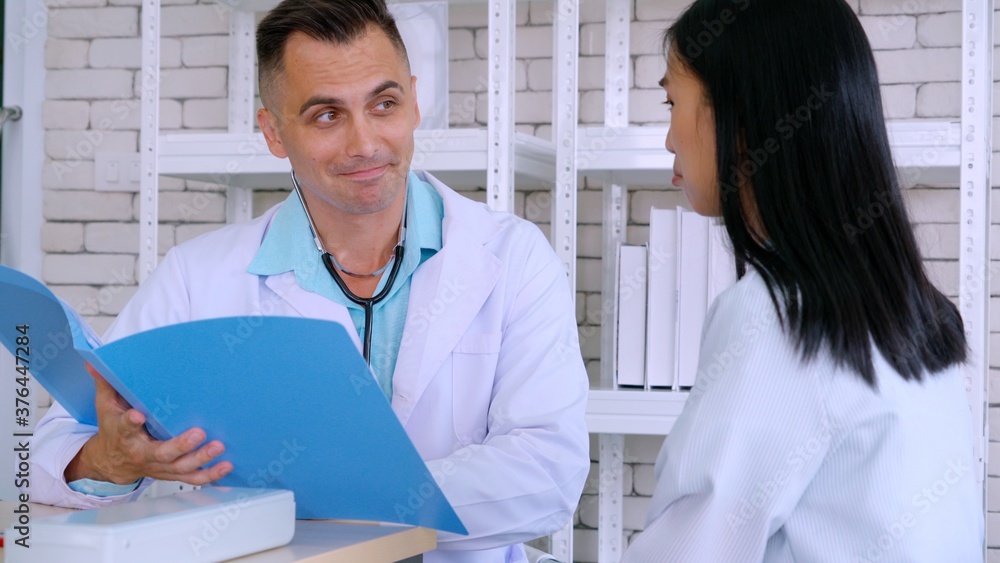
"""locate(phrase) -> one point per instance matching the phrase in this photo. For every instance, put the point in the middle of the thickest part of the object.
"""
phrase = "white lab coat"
(489, 382)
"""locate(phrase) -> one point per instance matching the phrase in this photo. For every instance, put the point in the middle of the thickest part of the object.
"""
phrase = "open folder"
(292, 399)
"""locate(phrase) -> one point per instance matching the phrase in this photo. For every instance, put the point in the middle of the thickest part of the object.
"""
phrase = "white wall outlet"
(116, 172)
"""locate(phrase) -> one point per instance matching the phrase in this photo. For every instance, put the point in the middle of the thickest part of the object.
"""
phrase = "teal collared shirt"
(288, 247)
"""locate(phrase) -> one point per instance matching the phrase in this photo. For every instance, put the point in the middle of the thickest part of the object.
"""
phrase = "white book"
(721, 264)
(631, 316)
(661, 313)
(692, 292)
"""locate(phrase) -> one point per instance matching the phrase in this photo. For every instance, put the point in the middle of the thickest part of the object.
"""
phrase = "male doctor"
(474, 344)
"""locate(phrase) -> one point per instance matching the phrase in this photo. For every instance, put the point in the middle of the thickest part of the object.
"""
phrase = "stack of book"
(664, 291)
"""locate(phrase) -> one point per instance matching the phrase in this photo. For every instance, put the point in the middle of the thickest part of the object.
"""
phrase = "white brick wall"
(66, 53)
(890, 32)
(939, 99)
(127, 53)
(83, 84)
(899, 101)
(92, 269)
(205, 51)
(207, 19)
(62, 237)
(92, 90)
(65, 114)
(192, 83)
(88, 23)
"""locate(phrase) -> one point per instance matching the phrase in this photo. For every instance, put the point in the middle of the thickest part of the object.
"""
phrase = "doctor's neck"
(360, 242)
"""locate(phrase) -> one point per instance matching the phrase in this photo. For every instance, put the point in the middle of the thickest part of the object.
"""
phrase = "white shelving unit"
(457, 157)
(926, 151)
(617, 154)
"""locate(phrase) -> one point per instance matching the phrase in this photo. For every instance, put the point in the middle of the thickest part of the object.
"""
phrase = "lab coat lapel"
(446, 294)
(308, 304)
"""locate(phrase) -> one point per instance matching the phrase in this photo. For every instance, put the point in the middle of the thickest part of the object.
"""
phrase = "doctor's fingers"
(187, 468)
(184, 452)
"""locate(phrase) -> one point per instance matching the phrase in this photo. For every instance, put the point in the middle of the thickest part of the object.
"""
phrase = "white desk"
(315, 541)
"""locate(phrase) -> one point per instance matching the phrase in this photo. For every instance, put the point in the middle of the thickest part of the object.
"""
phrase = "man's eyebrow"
(324, 100)
(387, 85)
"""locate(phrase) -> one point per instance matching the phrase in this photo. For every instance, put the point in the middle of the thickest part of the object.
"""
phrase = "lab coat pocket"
(474, 363)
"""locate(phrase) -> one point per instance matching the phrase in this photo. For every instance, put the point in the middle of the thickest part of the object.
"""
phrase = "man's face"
(344, 115)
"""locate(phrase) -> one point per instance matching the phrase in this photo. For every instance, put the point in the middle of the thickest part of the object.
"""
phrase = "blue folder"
(292, 399)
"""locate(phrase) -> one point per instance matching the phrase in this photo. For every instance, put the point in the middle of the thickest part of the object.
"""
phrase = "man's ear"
(416, 107)
(269, 126)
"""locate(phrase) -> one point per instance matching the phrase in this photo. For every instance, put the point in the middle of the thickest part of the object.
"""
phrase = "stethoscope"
(368, 304)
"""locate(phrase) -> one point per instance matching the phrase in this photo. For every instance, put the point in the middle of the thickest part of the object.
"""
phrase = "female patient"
(829, 421)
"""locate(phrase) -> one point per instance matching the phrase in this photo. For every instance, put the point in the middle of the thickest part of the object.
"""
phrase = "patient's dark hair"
(807, 186)
(337, 21)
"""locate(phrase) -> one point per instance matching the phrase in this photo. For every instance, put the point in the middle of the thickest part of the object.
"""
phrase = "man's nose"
(362, 139)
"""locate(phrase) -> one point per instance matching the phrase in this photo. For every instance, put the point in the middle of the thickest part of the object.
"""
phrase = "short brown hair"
(336, 21)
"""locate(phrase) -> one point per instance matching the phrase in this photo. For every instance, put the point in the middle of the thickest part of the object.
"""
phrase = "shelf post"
(975, 186)
(565, 62)
(500, 121)
(566, 31)
(611, 446)
(148, 136)
(239, 200)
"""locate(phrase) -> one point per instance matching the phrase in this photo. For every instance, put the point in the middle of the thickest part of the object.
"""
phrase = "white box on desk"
(211, 524)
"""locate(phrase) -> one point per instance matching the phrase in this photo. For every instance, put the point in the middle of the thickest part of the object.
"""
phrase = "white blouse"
(777, 460)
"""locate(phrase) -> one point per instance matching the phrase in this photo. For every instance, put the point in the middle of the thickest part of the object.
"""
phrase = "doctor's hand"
(122, 451)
